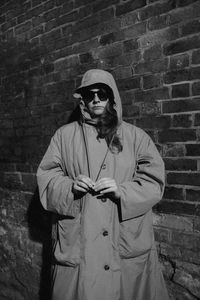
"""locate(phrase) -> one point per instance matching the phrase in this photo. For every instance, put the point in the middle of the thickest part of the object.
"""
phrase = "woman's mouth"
(97, 107)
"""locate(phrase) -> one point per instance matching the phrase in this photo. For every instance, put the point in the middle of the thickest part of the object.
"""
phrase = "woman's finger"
(83, 185)
(87, 181)
(108, 190)
(105, 183)
(80, 189)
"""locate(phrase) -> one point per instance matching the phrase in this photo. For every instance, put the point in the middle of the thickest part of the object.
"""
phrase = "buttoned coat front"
(103, 250)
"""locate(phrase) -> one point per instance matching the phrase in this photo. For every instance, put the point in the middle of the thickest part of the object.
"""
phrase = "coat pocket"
(136, 236)
(67, 247)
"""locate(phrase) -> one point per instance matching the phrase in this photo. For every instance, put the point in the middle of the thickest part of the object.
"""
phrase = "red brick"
(192, 149)
(195, 73)
(183, 178)
(130, 45)
(197, 120)
(2, 19)
(152, 95)
(7, 167)
(51, 14)
(190, 27)
(36, 2)
(129, 83)
(171, 150)
(176, 76)
(192, 195)
(152, 81)
(179, 61)
(157, 9)
(129, 19)
(23, 27)
(67, 18)
(157, 66)
(134, 30)
(186, 13)
(35, 11)
(84, 11)
(182, 45)
(111, 38)
(152, 108)
(6, 124)
(22, 18)
(177, 135)
(182, 120)
(21, 167)
(36, 31)
(153, 53)
(154, 122)
(181, 106)
(173, 252)
(158, 22)
(130, 111)
(51, 37)
(182, 3)
(66, 63)
(109, 50)
(83, 47)
(122, 72)
(186, 240)
(173, 193)
(95, 30)
(196, 57)
(197, 223)
(176, 207)
(180, 164)
(93, 20)
(85, 58)
(158, 37)
(99, 5)
(196, 88)
(180, 90)
(8, 25)
(28, 182)
(82, 2)
(12, 180)
(174, 222)
(126, 59)
(162, 234)
(190, 256)
(129, 6)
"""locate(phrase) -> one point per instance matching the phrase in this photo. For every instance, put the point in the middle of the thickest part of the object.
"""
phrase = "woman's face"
(95, 100)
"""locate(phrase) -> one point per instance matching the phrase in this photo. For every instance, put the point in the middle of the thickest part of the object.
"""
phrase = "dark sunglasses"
(89, 95)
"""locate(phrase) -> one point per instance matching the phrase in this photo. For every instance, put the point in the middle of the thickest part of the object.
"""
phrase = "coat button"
(106, 267)
(103, 166)
(103, 199)
(105, 233)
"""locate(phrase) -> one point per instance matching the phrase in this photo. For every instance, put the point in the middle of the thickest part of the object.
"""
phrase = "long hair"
(107, 125)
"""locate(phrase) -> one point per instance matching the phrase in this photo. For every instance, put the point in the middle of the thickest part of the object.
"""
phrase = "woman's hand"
(82, 184)
(108, 187)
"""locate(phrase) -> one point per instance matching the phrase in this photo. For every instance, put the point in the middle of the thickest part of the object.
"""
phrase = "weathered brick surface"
(152, 48)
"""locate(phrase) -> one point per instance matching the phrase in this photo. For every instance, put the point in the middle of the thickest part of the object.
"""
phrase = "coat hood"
(95, 76)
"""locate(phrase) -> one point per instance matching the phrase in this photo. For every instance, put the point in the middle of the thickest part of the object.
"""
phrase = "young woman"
(100, 177)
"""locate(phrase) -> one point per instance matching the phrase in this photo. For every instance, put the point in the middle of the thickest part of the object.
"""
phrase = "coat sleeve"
(55, 186)
(146, 189)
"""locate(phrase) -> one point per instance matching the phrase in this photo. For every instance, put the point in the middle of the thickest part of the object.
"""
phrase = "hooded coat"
(103, 250)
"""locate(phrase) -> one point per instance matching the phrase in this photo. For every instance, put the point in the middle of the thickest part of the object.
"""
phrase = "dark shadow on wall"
(39, 225)
(75, 115)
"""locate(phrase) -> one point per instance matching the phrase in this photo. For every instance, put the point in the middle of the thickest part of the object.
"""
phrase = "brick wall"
(152, 47)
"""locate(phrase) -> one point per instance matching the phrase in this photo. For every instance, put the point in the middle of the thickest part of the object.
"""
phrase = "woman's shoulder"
(67, 129)
(132, 129)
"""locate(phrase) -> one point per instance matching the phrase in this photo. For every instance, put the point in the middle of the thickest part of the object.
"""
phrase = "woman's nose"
(96, 98)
